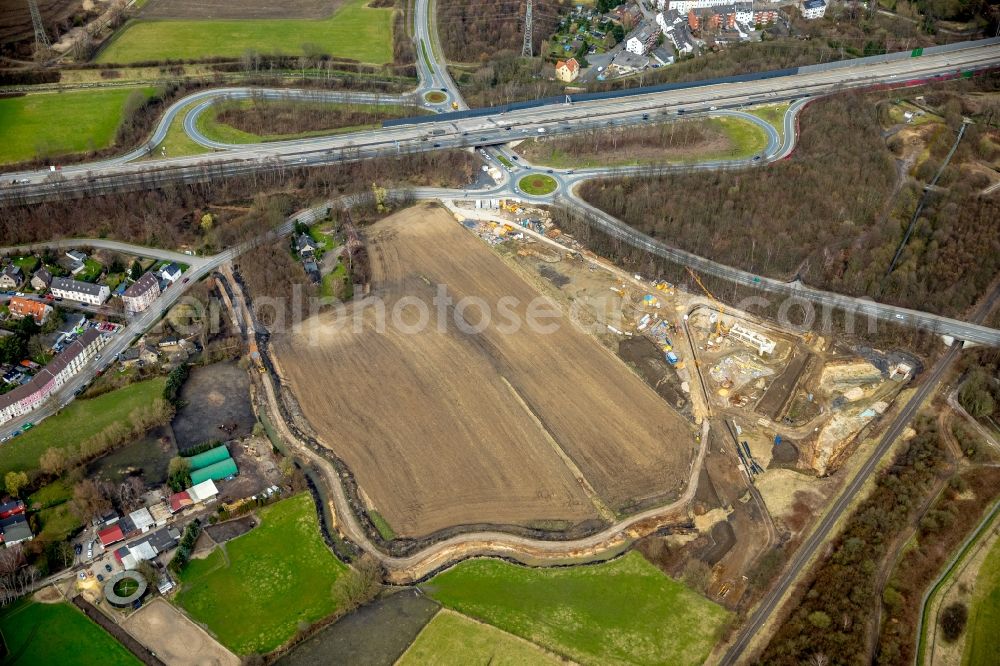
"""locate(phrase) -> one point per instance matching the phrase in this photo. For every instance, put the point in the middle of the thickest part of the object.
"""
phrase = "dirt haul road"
(508, 425)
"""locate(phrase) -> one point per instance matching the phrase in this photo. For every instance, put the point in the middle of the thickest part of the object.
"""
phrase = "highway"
(446, 131)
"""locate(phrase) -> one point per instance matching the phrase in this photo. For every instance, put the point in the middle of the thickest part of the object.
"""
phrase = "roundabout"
(537, 184)
(435, 97)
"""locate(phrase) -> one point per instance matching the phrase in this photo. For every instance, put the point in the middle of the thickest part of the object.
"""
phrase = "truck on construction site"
(672, 358)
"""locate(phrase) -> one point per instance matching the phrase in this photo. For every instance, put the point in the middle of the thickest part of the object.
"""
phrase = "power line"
(41, 39)
(526, 49)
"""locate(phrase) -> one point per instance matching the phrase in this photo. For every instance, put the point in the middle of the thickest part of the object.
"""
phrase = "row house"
(83, 292)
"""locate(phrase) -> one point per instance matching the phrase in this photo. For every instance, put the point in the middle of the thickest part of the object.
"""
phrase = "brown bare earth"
(245, 9)
(175, 639)
(15, 20)
(445, 428)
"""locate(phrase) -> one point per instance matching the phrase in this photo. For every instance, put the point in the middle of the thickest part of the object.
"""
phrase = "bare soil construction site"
(504, 425)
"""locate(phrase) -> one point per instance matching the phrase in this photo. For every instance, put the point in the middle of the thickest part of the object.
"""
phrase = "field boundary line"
(588, 489)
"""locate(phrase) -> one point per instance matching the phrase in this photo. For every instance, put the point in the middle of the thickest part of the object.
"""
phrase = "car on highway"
(549, 171)
(437, 145)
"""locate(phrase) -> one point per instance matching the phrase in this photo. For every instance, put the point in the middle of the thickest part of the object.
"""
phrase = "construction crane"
(715, 301)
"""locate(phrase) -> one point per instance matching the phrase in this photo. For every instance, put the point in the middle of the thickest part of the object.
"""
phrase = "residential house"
(141, 293)
(676, 30)
(641, 41)
(15, 530)
(25, 307)
(84, 292)
(305, 245)
(12, 508)
(567, 70)
(41, 280)
(171, 272)
(67, 363)
(813, 9)
(77, 261)
(11, 277)
(148, 547)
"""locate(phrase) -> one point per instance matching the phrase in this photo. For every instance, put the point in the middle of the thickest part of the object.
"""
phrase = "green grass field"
(624, 611)
(773, 114)
(382, 525)
(177, 143)
(58, 634)
(353, 31)
(537, 184)
(269, 580)
(451, 639)
(983, 630)
(58, 522)
(49, 124)
(82, 419)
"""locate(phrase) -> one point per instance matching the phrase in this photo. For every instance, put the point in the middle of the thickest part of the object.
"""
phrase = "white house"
(171, 273)
(744, 13)
(75, 290)
(635, 45)
(141, 294)
(813, 9)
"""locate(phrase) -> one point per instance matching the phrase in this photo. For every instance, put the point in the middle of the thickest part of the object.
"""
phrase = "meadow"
(451, 639)
(37, 633)
(77, 422)
(353, 31)
(50, 124)
(623, 611)
(983, 630)
(254, 593)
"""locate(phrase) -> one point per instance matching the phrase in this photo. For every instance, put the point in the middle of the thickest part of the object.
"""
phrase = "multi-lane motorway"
(450, 131)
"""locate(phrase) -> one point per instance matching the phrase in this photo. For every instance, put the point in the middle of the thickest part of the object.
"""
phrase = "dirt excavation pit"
(216, 406)
(175, 639)
(505, 425)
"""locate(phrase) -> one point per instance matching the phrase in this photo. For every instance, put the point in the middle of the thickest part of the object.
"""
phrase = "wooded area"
(171, 215)
(830, 215)
(828, 625)
(277, 117)
(480, 30)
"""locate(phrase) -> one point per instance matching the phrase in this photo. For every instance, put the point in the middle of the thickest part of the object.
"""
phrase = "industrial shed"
(210, 457)
(217, 471)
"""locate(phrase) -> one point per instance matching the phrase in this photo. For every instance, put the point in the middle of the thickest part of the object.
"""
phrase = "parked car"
(100, 578)
(107, 567)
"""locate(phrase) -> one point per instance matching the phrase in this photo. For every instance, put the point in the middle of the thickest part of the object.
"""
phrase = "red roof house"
(180, 500)
(111, 535)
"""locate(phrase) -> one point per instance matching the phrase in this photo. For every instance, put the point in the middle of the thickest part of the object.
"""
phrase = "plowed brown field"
(445, 428)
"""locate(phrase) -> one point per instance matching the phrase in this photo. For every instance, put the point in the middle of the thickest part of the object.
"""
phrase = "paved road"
(105, 244)
(769, 604)
(499, 128)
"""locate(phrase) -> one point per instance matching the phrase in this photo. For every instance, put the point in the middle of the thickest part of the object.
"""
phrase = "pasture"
(77, 422)
(440, 422)
(983, 629)
(254, 592)
(451, 639)
(623, 611)
(353, 31)
(37, 633)
(51, 124)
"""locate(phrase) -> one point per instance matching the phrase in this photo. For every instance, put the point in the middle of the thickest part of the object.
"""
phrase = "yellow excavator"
(719, 329)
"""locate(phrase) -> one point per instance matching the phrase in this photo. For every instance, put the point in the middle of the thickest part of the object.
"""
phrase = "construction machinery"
(719, 328)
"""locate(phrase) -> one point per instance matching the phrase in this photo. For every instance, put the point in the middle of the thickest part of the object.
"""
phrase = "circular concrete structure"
(124, 601)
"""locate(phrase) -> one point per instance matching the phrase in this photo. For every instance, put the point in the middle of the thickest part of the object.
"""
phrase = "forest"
(171, 215)
(480, 30)
(835, 214)
(263, 117)
(829, 623)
